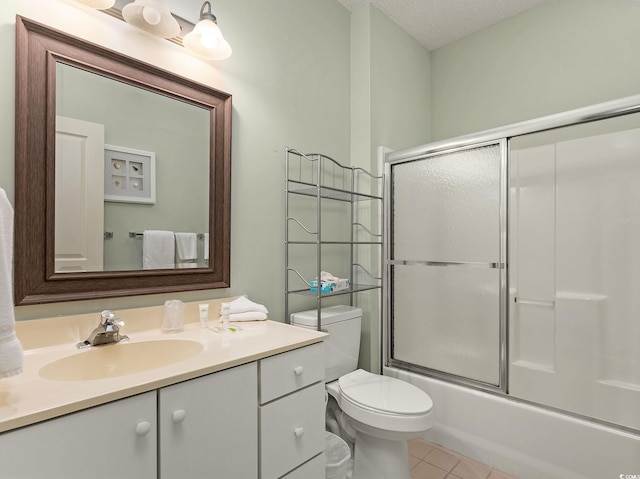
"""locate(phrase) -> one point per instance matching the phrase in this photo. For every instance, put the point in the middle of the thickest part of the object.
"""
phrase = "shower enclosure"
(512, 262)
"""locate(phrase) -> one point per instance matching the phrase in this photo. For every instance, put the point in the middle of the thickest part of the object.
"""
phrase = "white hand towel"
(186, 246)
(158, 249)
(11, 354)
(245, 305)
(206, 246)
(248, 316)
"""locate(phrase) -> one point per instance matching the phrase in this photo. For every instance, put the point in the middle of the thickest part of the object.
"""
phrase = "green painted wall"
(390, 97)
(559, 56)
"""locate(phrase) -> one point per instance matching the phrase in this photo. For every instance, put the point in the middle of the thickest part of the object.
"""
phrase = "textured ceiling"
(435, 23)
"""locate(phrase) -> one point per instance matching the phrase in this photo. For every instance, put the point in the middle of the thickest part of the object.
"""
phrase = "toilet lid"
(384, 393)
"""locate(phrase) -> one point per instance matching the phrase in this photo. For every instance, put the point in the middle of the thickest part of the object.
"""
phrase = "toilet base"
(377, 458)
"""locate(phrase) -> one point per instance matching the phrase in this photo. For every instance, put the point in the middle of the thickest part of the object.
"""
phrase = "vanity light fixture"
(152, 16)
(206, 38)
(98, 4)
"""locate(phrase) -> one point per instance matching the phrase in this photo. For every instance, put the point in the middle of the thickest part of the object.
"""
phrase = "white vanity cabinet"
(118, 439)
(260, 420)
(208, 426)
(292, 414)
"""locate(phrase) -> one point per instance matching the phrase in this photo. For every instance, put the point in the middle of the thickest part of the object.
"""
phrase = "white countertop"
(29, 398)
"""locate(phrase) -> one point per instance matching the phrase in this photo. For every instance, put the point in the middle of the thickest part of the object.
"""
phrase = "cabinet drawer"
(291, 431)
(314, 469)
(287, 372)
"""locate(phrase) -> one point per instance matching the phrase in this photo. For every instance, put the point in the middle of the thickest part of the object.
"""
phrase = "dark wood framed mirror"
(42, 55)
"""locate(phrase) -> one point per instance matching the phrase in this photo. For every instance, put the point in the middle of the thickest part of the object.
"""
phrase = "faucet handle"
(107, 315)
(108, 318)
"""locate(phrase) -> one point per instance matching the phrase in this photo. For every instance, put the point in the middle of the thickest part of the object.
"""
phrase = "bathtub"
(526, 441)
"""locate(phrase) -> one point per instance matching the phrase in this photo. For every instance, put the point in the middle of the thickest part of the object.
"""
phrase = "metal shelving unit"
(323, 178)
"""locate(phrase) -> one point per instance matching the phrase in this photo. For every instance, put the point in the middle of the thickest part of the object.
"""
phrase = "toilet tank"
(343, 344)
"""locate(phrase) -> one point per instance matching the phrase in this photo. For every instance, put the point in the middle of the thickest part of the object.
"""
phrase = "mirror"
(150, 172)
(106, 148)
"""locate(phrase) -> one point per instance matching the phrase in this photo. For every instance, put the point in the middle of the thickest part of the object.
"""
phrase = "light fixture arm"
(208, 15)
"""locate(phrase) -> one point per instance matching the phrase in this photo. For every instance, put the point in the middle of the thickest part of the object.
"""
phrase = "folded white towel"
(186, 246)
(243, 309)
(248, 316)
(11, 354)
(245, 305)
(158, 249)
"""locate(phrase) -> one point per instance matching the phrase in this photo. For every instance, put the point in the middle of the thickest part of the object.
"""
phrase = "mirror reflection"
(128, 160)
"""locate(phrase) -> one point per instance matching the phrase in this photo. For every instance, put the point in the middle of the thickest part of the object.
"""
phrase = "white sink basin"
(121, 359)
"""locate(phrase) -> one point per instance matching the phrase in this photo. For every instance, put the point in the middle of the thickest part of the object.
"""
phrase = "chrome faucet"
(107, 332)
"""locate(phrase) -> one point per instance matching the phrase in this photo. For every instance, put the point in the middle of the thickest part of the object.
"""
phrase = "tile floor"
(431, 461)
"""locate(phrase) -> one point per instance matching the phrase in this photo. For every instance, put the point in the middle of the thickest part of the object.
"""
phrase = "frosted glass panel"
(448, 319)
(446, 207)
(446, 288)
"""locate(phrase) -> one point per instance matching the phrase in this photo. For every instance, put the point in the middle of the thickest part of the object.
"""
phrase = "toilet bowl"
(374, 414)
(385, 412)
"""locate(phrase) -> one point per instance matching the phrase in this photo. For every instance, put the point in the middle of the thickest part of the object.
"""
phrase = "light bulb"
(209, 39)
(151, 15)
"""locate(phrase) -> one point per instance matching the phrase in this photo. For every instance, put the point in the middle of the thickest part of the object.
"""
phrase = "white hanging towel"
(186, 250)
(206, 246)
(11, 354)
(158, 249)
(187, 246)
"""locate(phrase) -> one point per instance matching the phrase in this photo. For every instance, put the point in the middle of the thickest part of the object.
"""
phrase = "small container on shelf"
(330, 286)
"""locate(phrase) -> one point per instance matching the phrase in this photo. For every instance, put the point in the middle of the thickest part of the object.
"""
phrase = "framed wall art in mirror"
(129, 175)
(74, 100)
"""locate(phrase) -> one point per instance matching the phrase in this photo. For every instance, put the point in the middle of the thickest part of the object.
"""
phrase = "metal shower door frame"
(389, 262)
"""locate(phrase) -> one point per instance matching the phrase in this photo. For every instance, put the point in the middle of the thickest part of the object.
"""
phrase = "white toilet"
(384, 412)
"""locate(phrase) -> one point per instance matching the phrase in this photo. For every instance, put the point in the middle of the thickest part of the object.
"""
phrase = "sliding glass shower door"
(446, 261)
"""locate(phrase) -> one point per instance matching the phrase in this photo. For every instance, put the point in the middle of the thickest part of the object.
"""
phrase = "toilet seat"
(383, 402)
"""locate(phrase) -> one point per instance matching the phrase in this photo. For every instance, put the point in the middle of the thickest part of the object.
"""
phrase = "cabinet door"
(115, 440)
(209, 426)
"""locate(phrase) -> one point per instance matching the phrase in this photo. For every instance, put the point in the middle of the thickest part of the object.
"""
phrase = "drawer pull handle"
(178, 416)
(143, 428)
(298, 432)
(298, 370)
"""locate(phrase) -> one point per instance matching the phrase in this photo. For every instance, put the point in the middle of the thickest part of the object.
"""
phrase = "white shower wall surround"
(575, 270)
(565, 326)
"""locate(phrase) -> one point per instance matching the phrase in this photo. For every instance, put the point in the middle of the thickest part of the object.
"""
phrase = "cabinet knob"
(298, 370)
(143, 428)
(178, 416)
(298, 432)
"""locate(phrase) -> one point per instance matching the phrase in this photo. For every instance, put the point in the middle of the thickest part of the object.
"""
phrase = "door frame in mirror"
(38, 49)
